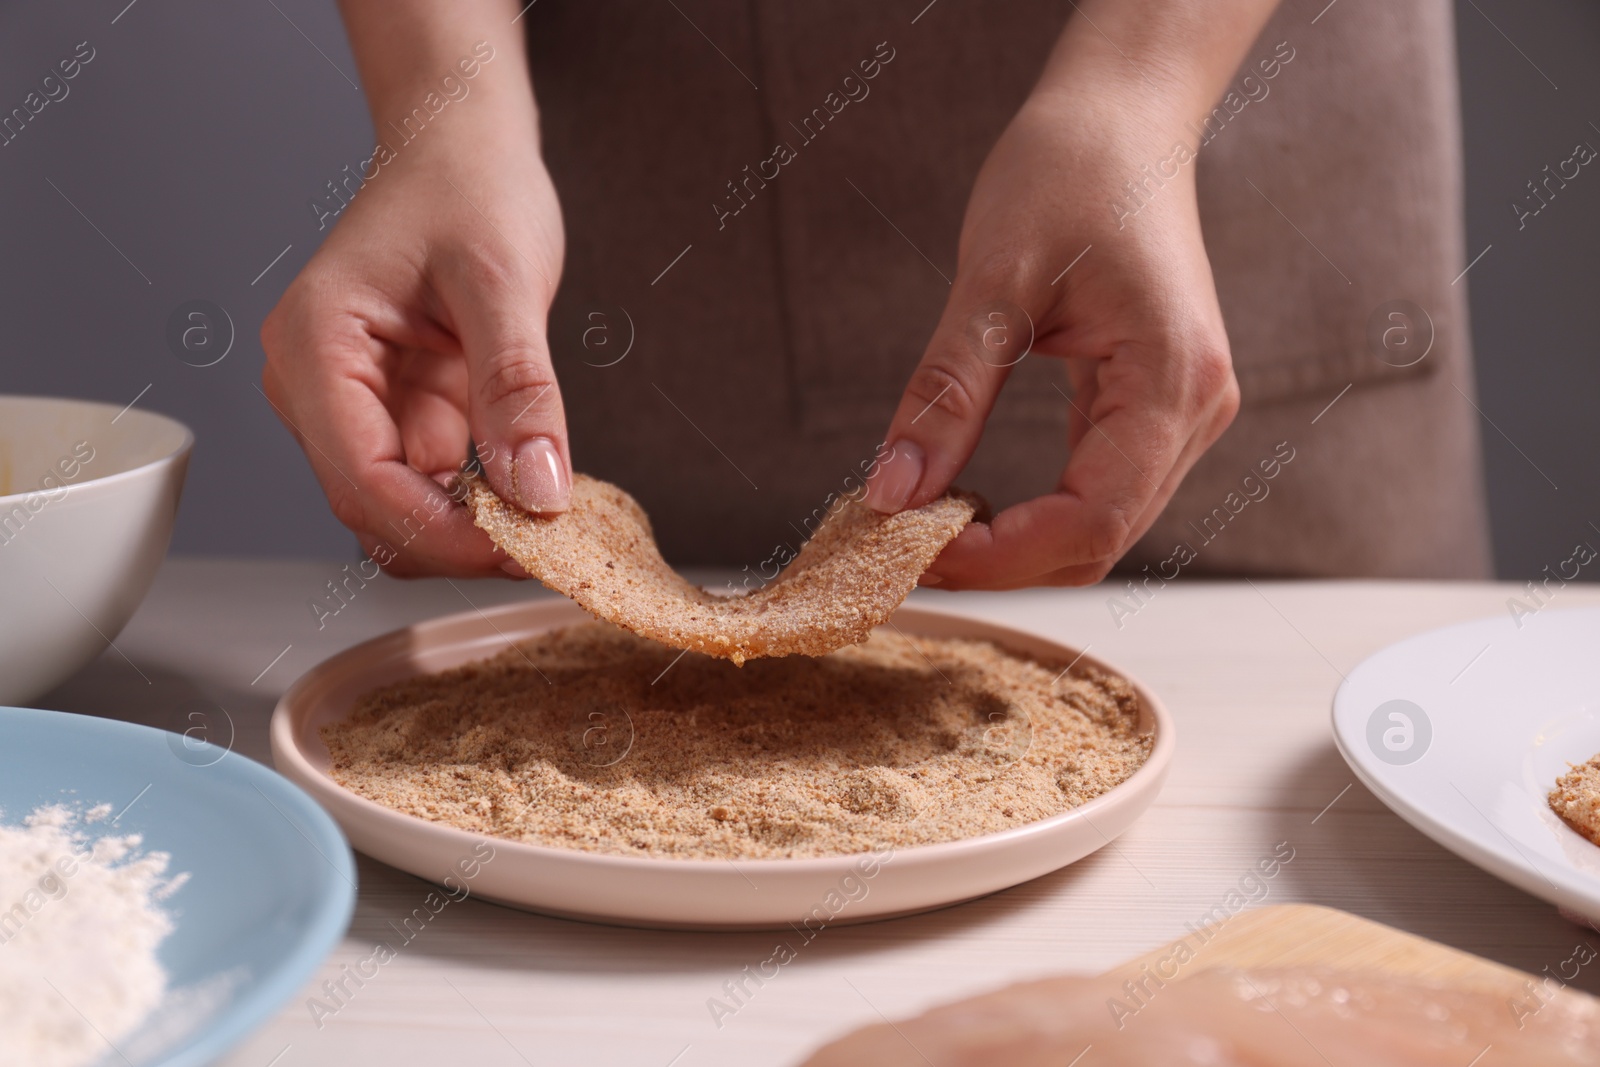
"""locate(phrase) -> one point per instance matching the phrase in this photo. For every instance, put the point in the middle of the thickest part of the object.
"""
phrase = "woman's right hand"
(420, 325)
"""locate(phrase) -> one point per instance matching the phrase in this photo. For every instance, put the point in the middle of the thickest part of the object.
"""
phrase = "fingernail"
(539, 478)
(896, 478)
(514, 569)
(930, 579)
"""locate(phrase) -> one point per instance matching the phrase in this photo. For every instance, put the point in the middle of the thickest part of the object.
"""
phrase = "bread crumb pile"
(855, 571)
(80, 925)
(592, 738)
(1576, 798)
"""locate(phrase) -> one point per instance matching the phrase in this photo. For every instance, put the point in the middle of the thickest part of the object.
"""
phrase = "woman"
(764, 202)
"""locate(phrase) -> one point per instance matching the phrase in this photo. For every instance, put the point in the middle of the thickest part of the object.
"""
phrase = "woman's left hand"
(1135, 318)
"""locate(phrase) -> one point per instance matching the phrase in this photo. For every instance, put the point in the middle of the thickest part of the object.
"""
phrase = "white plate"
(1496, 713)
(704, 894)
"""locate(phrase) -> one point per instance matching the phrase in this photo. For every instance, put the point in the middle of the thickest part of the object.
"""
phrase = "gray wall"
(1530, 92)
(194, 137)
(192, 140)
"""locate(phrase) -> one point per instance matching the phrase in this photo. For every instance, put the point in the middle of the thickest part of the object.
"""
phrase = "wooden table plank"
(1248, 670)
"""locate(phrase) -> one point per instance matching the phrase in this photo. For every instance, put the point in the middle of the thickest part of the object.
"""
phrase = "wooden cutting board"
(1305, 935)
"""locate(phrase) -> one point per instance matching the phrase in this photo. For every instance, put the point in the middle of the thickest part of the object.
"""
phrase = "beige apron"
(736, 320)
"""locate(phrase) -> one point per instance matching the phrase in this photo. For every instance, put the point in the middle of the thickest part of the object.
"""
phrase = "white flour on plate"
(80, 922)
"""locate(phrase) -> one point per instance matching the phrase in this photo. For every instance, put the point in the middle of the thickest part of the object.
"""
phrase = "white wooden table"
(1248, 670)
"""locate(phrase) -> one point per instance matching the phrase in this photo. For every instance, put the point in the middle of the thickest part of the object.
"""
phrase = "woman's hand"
(420, 324)
(1135, 318)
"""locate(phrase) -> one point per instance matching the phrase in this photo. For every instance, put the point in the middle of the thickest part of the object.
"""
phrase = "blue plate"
(271, 881)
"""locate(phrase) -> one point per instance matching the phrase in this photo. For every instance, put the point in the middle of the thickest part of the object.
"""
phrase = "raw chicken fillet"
(1233, 1018)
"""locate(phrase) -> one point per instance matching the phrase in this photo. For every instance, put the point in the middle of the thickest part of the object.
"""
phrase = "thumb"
(513, 403)
(941, 416)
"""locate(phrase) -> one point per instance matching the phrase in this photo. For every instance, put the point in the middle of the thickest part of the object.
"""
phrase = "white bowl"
(684, 893)
(88, 495)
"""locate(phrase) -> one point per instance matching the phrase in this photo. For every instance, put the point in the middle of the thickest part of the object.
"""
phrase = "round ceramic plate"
(1463, 732)
(703, 894)
(270, 885)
